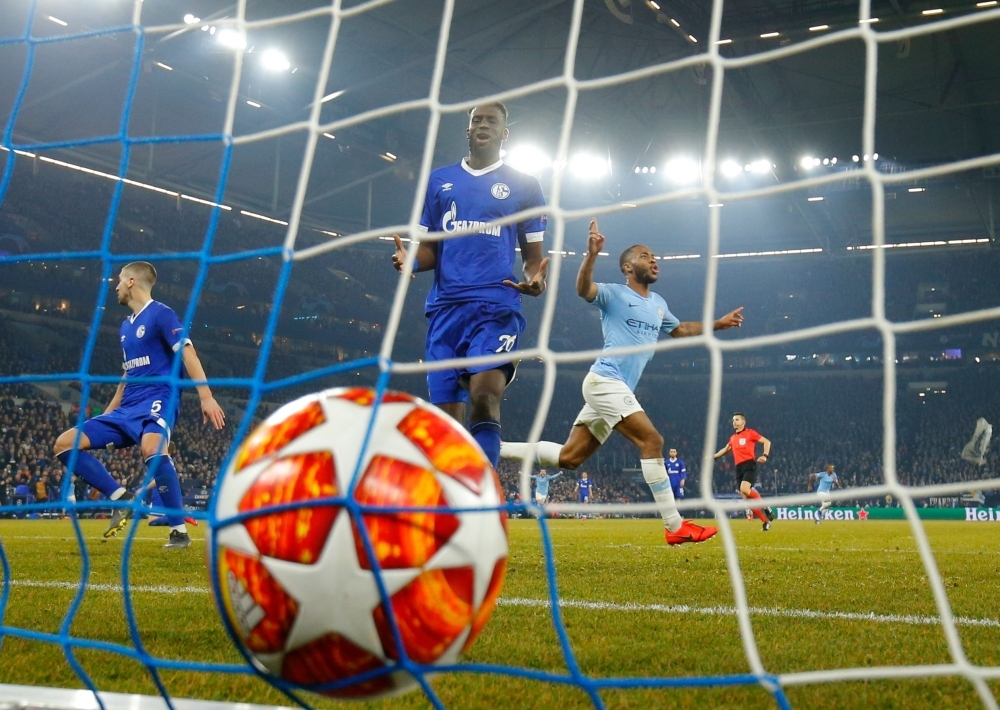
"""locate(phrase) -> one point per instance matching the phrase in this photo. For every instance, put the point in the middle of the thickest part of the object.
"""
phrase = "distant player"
(743, 444)
(824, 481)
(474, 305)
(141, 414)
(630, 315)
(584, 487)
(677, 472)
(542, 481)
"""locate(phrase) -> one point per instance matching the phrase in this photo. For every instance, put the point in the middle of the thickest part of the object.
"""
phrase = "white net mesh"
(313, 128)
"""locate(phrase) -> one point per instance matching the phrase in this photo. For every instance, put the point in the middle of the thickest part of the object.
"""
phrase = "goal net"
(307, 240)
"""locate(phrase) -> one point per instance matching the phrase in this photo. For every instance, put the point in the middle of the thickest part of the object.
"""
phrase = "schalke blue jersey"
(824, 481)
(542, 483)
(629, 319)
(149, 340)
(676, 467)
(585, 484)
(474, 267)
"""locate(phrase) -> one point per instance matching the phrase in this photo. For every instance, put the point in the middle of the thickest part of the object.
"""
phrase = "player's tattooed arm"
(536, 269)
(733, 319)
(585, 286)
(210, 409)
(425, 260)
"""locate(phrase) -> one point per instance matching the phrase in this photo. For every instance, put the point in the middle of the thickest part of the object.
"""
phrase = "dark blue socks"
(487, 435)
(92, 471)
(169, 487)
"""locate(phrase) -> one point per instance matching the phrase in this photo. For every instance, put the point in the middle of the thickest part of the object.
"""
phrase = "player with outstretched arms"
(677, 472)
(141, 413)
(542, 481)
(474, 305)
(630, 315)
(824, 481)
(743, 444)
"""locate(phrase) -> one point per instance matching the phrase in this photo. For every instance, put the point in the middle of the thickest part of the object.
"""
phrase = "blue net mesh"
(258, 386)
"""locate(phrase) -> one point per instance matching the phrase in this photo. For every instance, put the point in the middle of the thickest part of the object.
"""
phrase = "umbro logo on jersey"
(500, 191)
(123, 338)
(447, 186)
(140, 331)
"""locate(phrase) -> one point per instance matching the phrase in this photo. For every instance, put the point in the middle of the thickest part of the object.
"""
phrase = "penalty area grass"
(821, 597)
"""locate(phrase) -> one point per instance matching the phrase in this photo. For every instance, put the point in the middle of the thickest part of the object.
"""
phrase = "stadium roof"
(938, 98)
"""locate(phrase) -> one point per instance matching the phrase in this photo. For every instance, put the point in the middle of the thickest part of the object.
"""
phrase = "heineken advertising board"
(978, 515)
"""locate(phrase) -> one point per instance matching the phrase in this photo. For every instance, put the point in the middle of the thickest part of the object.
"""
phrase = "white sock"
(118, 494)
(655, 474)
(182, 528)
(825, 504)
(546, 453)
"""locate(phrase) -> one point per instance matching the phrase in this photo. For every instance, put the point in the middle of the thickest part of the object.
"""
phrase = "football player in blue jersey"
(678, 473)
(474, 305)
(630, 315)
(140, 413)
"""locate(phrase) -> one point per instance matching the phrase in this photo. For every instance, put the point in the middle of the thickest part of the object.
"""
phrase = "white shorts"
(541, 497)
(608, 401)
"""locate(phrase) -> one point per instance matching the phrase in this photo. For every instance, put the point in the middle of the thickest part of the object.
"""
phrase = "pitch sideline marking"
(910, 619)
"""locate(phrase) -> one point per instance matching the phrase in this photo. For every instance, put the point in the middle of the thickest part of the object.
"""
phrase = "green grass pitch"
(633, 607)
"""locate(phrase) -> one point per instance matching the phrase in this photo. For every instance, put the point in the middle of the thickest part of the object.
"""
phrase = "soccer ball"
(298, 587)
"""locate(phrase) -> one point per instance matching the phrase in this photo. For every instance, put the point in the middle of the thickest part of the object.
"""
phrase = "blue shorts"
(584, 497)
(125, 425)
(675, 485)
(468, 329)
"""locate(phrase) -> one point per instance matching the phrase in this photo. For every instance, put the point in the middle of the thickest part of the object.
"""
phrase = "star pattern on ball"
(336, 575)
(480, 536)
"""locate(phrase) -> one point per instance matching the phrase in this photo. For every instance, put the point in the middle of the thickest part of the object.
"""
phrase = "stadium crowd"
(818, 409)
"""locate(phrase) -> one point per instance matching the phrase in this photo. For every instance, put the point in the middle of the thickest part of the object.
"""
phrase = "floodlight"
(231, 38)
(761, 166)
(274, 60)
(806, 162)
(730, 168)
(528, 159)
(190, 19)
(683, 170)
(588, 165)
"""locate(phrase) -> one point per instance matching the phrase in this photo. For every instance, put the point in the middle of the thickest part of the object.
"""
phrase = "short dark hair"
(142, 271)
(498, 105)
(626, 256)
(739, 414)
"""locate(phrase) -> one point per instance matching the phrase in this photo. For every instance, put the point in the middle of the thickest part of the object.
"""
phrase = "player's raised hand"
(595, 242)
(535, 287)
(733, 319)
(212, 412)
(399, 257)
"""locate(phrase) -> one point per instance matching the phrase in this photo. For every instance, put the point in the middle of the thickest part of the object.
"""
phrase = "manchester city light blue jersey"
(629, 319)
(542, 483)
(474, 267)
(824, 481)
(149, 340)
